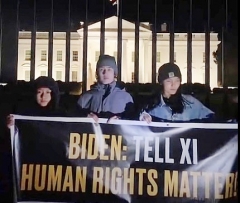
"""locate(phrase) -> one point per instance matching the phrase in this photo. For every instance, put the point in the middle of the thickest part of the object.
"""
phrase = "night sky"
(164, 13)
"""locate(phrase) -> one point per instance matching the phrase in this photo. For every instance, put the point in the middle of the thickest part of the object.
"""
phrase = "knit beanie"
(106, 60)
(168, 70)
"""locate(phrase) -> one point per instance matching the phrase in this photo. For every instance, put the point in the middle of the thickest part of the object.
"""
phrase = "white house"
(128, 36)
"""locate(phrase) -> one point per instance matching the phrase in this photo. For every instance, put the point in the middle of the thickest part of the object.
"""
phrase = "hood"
(44, 81)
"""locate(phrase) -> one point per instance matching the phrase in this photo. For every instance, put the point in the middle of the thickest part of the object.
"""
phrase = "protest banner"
(77, 160)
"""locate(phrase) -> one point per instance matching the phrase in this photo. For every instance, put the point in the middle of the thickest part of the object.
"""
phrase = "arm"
(81, 107)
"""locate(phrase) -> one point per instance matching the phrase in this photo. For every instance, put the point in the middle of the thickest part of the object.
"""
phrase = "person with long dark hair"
(170, 104)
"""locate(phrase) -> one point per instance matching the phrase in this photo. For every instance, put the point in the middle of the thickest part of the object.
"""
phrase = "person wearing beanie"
(107, 98)
(170, 104)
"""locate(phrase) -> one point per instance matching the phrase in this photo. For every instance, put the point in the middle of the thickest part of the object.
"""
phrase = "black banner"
(76, 160)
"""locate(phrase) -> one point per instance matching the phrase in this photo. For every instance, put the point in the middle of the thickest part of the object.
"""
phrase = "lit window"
(58, 75)
(43, 73)
(27, 55)
(75, 55)
(158, 57)
(74, 76)
(97, 54)
(59, 55)
(27, 75)
(133, 56)
(43, 55)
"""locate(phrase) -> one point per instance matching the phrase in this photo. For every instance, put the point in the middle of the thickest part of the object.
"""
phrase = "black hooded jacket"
(32, 108)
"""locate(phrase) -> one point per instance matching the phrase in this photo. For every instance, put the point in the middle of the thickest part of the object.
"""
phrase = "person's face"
(105, 75)
(43, 96)
(171, 86)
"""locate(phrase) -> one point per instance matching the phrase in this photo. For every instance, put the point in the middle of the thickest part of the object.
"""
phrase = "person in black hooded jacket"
(44, 101)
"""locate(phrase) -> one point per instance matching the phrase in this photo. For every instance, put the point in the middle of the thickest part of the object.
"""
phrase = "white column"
(128, 62)
(80, 63)
(141, 61)
(147, 64)
(124, 61)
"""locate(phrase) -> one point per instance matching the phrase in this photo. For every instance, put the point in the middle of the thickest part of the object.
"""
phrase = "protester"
(170, 104)
(43, 102)
(107, 98)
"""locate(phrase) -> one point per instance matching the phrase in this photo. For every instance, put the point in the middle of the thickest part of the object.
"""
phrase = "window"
(43, 55)
(74, 76)
(115, 55)
(97, 54)
(59, 55)
(175, 57)
(133, 56)
(75, 56)
(203, 57)
(43, 73)
(158, 57)
(27, 55)
(27, 75)
(58, 75)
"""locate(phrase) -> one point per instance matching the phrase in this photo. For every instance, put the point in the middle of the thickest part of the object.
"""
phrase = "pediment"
(111, 25)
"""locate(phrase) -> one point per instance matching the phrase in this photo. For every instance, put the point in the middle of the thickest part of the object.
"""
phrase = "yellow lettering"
(83, 146)
(195, 176)
(27, 177)
(74, 148)
(40, 177)
(140, 172)
(116, 145)
(97, 180)
(152, 189)
(68, 180)
(116, 180)
(218, 186)
(170, 183)
(229, 185)
(235, 184)
(81, 175)
(107, 181)
(92, 148)
(207, 177)
(54, 178)
(105, 146)
(184, 188)
(128, 183)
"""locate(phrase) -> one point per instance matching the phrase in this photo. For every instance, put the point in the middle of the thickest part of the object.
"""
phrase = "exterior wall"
(145, 53)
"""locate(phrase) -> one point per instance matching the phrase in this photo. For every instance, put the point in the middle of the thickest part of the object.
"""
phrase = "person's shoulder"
(192, 101)
(190, 98)
(87, 93)
(123, 92)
